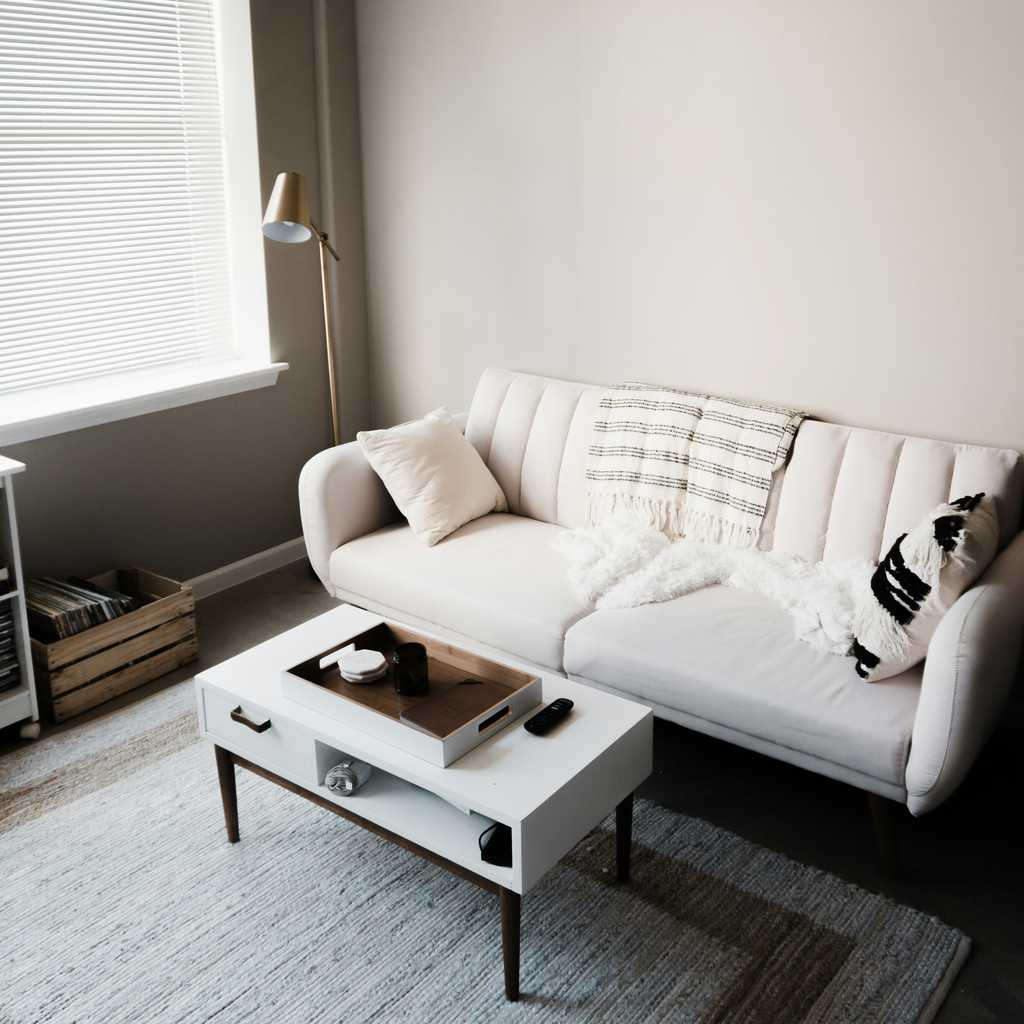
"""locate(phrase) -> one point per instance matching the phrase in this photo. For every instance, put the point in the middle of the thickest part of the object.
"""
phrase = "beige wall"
(190, 489)
(813, 203)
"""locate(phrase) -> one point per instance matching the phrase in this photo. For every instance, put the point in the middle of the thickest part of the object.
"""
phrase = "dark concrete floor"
(963, 863)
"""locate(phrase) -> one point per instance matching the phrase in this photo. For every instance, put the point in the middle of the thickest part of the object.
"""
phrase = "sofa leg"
(885, 820)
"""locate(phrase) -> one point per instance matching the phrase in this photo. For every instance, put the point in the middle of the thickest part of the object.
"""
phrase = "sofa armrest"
(340, 498)
(970, 669)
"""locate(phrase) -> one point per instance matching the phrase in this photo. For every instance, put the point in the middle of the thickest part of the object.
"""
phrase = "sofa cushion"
(496, 580)
(730, 657)
(918, 581)
(849, 492)
(533, 433)
(433, 474)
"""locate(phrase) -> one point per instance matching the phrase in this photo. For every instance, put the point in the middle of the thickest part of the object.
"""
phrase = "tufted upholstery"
(533, 433)
(849, 493)
(846, 493)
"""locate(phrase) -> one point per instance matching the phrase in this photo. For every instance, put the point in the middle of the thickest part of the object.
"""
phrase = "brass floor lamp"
(287, 220)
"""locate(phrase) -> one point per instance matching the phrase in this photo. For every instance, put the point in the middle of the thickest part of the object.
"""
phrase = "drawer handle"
(239, 717)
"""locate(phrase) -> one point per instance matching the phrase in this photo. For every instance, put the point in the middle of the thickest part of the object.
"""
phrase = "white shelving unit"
(18, 704)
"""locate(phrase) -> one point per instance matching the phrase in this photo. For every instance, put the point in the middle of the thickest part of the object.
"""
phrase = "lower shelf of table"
(415, 814)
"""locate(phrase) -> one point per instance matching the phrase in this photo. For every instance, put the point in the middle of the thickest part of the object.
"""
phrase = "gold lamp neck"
(322, 235)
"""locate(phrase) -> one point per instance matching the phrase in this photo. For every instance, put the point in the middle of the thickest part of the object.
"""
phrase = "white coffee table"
(551, 791)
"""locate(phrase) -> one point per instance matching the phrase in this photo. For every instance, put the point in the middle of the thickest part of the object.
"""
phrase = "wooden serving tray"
(376, 709)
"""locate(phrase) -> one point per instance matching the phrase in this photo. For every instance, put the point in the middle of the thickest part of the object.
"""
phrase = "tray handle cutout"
(496, 717)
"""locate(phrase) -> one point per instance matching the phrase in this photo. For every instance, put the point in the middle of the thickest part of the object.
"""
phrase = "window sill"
(27, 415)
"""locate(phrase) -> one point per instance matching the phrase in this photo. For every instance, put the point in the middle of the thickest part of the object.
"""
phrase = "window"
(131, 261)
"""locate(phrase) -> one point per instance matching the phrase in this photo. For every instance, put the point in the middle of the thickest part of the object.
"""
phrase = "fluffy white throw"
(689, 464)
(623, 564)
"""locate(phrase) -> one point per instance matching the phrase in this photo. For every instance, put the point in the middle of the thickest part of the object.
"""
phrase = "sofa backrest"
(847, 492)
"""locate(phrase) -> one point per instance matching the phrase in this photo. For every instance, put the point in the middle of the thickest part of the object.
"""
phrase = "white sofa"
(720, 661)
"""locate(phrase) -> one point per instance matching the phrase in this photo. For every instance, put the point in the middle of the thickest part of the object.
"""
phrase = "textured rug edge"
(945, 986)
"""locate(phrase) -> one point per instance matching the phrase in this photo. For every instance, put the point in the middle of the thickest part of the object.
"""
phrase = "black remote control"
(547, 718)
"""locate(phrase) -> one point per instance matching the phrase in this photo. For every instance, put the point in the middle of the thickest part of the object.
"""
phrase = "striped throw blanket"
(690, 465)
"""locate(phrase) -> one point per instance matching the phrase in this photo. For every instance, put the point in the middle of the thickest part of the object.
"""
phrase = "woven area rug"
(122, 903)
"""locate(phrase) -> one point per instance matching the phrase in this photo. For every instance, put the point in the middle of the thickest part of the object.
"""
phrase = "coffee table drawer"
(243, 728)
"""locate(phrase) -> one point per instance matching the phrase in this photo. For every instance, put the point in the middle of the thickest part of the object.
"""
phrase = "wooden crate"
(98, 664)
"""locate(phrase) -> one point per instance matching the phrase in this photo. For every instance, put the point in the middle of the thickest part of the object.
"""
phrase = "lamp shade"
(287, 216)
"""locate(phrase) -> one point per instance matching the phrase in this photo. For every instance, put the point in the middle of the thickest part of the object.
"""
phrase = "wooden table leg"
(228, 796)
(511, 903)
(623, 837)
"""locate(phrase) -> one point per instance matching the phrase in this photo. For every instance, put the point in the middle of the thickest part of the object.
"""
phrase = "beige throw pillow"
(435, 476)
(918, 581)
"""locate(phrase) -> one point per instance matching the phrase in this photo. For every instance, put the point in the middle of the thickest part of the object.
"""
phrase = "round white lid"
(361, 663)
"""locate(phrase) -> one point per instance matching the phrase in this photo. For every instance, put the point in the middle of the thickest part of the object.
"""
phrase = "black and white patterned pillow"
(925, 571)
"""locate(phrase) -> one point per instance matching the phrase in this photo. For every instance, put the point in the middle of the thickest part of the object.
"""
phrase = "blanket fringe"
(671, 518)
(666, 516)
(706, 528)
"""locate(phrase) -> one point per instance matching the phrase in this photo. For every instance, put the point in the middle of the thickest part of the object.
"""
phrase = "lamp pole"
(325, 246)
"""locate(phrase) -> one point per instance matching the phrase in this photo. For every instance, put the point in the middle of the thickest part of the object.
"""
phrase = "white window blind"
(113, 247)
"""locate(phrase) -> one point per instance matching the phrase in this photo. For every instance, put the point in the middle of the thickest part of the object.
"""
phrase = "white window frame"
(41, 412)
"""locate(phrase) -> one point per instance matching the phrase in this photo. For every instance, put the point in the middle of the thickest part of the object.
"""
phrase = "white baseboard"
(216, 580)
